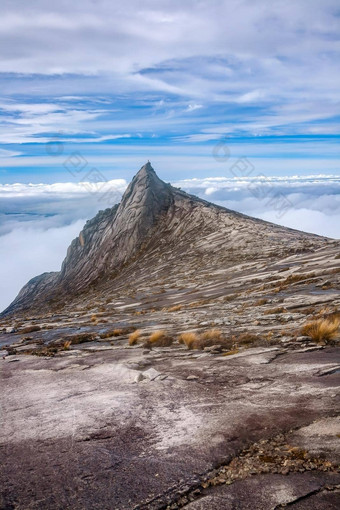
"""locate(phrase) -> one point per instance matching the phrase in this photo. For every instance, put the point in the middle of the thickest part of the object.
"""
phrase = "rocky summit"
(185, 356)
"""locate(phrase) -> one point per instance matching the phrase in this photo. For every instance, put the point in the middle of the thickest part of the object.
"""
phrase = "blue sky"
(167, 81)
(195, 87)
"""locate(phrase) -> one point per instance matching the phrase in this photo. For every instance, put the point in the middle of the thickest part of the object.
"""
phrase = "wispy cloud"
(258, 68)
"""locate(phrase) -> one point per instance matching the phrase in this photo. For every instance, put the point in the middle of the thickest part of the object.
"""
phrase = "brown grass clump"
(134, 337)
(261, 302)
(322, 330)
(230, 353)
(80, 338)
(247, 339)
(110, 333)
(94, 318)
(189, 339)
(30, 329)
(157, 335)
(212, 337)
(280, 309)
(294, 278)
(116, 332)
(175, 308)
(206, 339)
(159, 338)
(230, 297)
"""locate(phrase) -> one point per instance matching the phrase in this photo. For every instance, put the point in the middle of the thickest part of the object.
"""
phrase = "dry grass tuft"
(80, 338)
(280, 309)
(230, 353)
(247, 339)
(94, 318)
(322, 330)
(157, 335)
(261, 302)
(189, 339)
(113, 332)
(230, 297)
(134, 337)
(159, 338)
(67, 345)
(206, 339)
(212, 335)
(30, 329)
(175, 308)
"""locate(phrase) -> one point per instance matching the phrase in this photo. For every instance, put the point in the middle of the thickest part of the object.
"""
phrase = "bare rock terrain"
(96, 413)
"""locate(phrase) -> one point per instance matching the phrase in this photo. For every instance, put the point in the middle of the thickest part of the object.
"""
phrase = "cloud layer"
(198, 70)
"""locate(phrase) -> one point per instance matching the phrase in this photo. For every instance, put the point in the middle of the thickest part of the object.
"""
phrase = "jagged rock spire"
(153, 222)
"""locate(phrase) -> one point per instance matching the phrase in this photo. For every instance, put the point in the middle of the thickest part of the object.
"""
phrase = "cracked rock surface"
(76, 433)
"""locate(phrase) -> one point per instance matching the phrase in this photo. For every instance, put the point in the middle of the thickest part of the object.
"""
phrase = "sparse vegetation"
(159, 338)
(246, 339)
(175, 308)
(261, 302)
(294, 278)
(114, 332)
(322, 330)
(134, 337)
(202, 302)
(79, 338)
(230, 353)
(206, 339)
(280, 309)
(231, 297)
(212, 335)
(30, 329)
(189, 338)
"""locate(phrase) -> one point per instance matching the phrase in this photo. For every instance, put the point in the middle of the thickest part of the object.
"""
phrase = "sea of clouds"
(38, 221)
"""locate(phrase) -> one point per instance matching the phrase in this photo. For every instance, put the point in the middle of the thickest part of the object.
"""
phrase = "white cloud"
(193, 107)
(281, 54)
(4, 153)
(60, 189)
(308, 203)
(251, 97)
(27, 252)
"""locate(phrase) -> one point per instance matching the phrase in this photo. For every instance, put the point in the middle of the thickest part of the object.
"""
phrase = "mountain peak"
(147, 189)
(145, 178)
(153, 228)
(147, 168)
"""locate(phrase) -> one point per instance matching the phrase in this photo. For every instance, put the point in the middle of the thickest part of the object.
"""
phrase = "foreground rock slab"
(77, 433)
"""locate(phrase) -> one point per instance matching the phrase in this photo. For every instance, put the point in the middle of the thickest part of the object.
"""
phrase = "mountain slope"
(156, 230)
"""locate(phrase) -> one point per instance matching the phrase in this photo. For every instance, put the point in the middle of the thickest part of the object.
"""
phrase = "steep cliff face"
(105, 244)
(156, 228)
(115, 235)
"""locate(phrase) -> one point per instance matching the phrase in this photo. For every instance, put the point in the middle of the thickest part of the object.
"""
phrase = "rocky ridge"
(156, 230)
